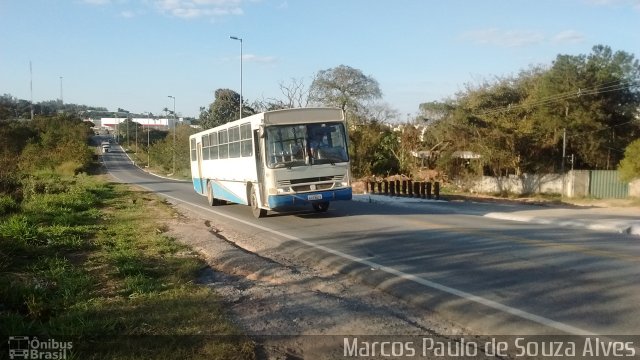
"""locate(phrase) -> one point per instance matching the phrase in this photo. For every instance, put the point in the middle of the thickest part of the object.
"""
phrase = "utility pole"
(573, 158)
(564, 155)
(564, 149)
(31, 87)
(174, 132)
(61, 98)
(148, 137)
(239, 39)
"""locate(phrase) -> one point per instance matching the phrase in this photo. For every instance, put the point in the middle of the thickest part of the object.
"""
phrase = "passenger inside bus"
(317, 141)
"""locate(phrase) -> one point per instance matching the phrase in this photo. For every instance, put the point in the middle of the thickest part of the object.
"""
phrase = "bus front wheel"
(321, 207)
(255, 209)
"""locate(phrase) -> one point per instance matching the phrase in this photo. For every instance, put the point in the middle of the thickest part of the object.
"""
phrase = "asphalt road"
(491, 276)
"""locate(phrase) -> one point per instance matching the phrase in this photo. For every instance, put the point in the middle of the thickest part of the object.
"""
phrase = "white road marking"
(428, 283)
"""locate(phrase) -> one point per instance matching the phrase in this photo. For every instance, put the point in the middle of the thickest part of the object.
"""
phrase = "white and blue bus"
(274, 160)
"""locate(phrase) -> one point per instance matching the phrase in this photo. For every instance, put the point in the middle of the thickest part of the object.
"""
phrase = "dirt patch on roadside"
(282, 304)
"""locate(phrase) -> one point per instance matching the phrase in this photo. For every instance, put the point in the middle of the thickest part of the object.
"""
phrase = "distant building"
(110, 119)
(163, 123)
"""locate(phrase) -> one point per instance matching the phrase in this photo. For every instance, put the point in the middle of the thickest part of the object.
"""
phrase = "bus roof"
(303, 115)
(284, 117)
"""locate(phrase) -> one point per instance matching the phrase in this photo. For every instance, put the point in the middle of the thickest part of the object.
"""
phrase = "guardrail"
(408, 188)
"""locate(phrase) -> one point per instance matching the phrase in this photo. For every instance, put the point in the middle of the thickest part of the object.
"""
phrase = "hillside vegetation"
(88, 261)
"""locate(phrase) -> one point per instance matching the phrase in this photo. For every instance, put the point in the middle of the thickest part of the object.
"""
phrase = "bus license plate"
(314, 197)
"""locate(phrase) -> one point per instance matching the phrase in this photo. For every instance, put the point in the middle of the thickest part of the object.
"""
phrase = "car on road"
(105, 146)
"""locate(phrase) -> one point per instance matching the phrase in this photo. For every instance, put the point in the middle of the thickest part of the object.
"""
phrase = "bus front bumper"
(283, 201)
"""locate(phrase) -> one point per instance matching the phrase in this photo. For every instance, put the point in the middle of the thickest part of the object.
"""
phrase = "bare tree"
(296, 93)
(344, 87)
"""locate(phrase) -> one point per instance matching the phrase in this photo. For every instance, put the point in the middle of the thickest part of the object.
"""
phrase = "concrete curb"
(613, 226)
(393, 200)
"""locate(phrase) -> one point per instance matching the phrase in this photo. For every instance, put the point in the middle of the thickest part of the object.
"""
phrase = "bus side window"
(205, 147)
(213, 142)
(246, 146)
(223, 146)
(194, 155)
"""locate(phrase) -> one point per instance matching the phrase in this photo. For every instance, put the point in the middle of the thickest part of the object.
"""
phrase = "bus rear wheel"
(321, 207)
(255, 209)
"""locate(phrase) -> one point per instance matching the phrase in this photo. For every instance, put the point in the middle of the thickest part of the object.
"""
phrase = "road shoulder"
(269, 299)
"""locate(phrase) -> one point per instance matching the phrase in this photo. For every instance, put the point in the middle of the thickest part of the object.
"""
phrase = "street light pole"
(174, 132)
(239, 39)
(127, 121)
(148, 131)
(61, 98)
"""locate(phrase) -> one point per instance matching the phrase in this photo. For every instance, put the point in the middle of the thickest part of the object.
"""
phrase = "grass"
(88, 261)
(7, 204)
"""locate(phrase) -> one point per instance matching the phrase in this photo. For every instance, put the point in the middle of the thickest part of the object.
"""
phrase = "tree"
(595, 98)
(296, 94)
(379, 112)
(434, 111)
(161, 152)
(516, 123)
(127, 131)
(61, 139)
(367, 152)
(402, 144)
(344, 87)
(630, 166)
(223, 109)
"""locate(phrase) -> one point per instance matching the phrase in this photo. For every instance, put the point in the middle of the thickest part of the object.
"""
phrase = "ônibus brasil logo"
(32, 348)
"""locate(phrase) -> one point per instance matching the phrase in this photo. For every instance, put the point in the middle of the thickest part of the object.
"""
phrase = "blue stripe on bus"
(199, 186)
(279, 201)
(221, 192)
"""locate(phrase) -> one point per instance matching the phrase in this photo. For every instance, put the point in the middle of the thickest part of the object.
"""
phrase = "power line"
(603, 129)
(556, 98)
(600, 88)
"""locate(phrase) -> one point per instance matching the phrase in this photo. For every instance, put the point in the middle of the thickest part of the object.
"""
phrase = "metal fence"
(406, 187)
(606, 184)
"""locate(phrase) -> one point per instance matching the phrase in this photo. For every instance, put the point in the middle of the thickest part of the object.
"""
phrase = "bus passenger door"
(202, 182)
(259, 152)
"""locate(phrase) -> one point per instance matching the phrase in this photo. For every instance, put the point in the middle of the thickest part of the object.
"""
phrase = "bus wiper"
(288, 164)
(323, 161)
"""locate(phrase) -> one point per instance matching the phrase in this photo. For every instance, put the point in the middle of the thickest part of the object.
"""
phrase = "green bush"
(7, 204)
(45, 182)
(630, 166)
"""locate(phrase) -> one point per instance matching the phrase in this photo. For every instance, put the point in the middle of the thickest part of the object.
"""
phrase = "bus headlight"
(276, 191)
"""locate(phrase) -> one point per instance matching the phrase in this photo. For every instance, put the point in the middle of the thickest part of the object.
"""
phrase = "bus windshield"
(311, 144)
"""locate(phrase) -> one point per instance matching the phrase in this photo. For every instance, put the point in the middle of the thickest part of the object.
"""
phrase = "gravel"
(284, 303)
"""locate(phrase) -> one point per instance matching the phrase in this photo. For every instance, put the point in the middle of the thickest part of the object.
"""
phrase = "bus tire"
(321, 206)
(257, 211)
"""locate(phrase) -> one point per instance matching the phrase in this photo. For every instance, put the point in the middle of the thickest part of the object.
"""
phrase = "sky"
(133, 54)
